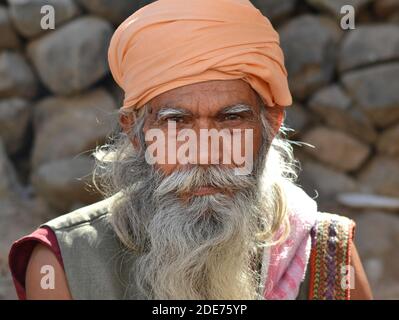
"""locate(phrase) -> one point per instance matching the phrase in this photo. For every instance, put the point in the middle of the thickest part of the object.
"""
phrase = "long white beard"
(203, 248)
(197, 249)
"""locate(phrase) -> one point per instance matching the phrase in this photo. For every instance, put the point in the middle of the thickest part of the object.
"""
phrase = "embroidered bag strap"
(330, 257)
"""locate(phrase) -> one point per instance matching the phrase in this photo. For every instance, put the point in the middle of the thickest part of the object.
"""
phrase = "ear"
(274, 114)
(279, 117)
(126, 121)
(275, 117)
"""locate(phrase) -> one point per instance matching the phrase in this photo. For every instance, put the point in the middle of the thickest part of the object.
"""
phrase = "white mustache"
(188, 180)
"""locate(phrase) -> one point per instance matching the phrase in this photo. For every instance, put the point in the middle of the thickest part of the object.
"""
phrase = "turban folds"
(171, 43)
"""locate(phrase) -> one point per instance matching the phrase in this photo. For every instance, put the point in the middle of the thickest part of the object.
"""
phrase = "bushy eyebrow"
(237, 108)
(172, 111)
(177, 111)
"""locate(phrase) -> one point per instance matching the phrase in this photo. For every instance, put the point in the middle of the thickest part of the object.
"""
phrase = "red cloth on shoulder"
(21, 251)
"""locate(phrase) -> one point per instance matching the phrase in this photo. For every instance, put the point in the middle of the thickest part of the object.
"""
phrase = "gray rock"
(327, 181)
(336, 108)
(336, 148)
(376, 92)
(309, 45)
(64, 182)
(26, 15)
(16, 76)
(14, 118)
(9, 38)
(275, 9)
(9, 183)
(113, 10)
(368, 201)
(69, 126)
(381, 176)
(116, 91)
(394, 18)
(388, 142)
(296, 118)
(369, 44)
(377, 242)
(7, 291)
(74, 56)
(386, 8)
(333, 7)
(95, 99)
(386, 290)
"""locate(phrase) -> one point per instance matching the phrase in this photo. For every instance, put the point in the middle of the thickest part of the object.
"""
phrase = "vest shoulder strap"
(81, 216)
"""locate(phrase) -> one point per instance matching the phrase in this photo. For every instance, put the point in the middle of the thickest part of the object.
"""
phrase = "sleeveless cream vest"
(96, 264)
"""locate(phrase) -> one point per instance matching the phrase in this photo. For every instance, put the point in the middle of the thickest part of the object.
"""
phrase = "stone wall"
(58, 102)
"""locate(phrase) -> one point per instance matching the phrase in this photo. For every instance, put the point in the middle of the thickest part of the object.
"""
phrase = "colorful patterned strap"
(330, 257)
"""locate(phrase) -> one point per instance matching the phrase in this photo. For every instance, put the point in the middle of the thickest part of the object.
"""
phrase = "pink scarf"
(286, 263)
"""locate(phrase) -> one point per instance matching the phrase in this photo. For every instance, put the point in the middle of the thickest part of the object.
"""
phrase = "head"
(198, 168)
(197, 228)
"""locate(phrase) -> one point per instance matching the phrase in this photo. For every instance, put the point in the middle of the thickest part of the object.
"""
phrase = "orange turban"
(171, 43)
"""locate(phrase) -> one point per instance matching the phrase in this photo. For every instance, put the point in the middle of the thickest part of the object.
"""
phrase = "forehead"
(206, 98)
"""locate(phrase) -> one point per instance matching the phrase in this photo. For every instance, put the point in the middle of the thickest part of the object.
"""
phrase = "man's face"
(212, 105)
(204, 246)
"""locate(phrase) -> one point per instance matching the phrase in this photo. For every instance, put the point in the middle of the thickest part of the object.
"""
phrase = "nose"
(214, 145)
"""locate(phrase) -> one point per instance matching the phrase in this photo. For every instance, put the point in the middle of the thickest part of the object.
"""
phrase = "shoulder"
(77, 234)
(81, 228)
(89, 214)
(45, 277)
(360, 287)
(84, 228)
(21, 252)
(91, 251)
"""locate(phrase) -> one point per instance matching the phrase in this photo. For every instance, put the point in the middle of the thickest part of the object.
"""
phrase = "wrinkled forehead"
(208, 98)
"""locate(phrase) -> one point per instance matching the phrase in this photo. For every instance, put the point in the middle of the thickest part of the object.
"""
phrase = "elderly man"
(188, 217)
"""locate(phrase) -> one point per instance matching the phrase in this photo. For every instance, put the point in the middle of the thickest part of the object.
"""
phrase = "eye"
(177, 119)
(232, 117)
